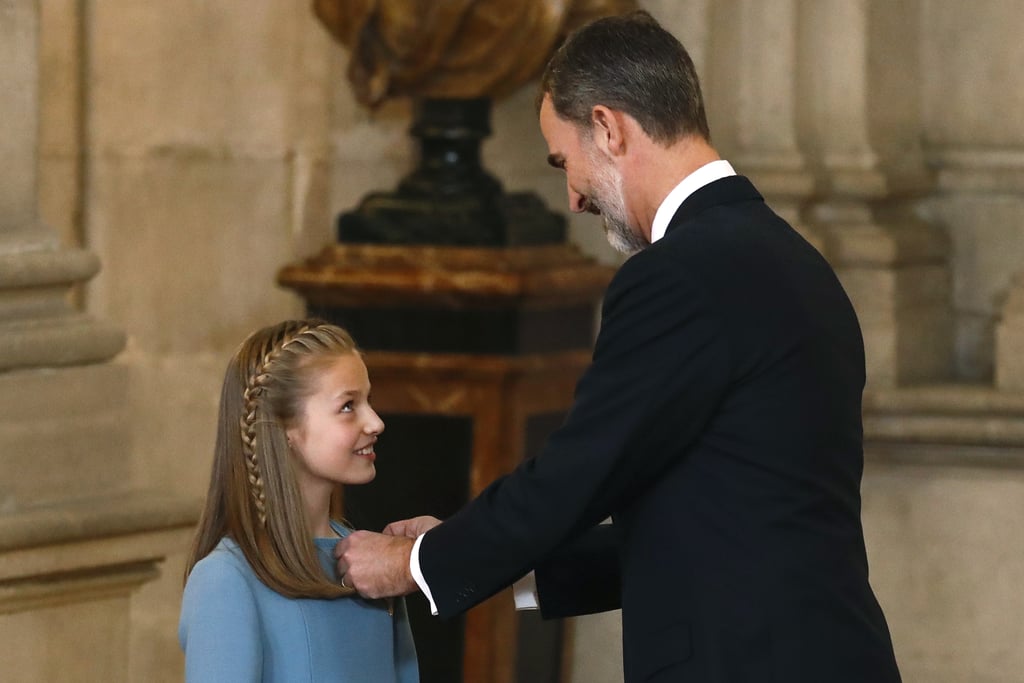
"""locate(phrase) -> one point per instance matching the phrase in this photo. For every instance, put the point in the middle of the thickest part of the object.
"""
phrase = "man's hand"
(377, 566)
(412, 528)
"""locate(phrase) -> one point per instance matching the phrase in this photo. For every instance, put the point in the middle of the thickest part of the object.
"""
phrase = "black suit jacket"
(719, 425)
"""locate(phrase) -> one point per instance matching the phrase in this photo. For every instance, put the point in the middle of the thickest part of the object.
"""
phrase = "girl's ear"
(294, 436)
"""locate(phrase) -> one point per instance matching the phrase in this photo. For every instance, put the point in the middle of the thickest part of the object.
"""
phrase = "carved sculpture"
(452, 58)
(452, 49)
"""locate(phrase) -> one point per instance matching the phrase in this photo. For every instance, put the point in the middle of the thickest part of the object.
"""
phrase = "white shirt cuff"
(417, 575)
(525, 592)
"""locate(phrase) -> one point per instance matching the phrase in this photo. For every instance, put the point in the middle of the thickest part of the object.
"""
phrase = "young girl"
(262, 602)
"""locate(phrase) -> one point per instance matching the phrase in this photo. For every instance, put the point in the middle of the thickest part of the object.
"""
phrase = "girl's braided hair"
(253, 497)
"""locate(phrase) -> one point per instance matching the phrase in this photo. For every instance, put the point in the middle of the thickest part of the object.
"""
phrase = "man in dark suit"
(719, 424)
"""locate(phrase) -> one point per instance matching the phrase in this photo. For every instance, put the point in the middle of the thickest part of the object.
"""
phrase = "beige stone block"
(117, 532)
(979, 170)
(754, 51)
(370, 151)
(516, 153)
(60, 64)
(691, 23)
(597, 648)
(974, 344)
(19, 106)
(880, 293)
(191, 249)
(985, 230)
(988, 242)
(925, 344)
(938, 424)
(912, 347)
(86, 642)
(173, 399)
(155, 655)
(312, 221)
(856, 240)
(63, 434)
(1010, 340)
(314, 80)
(905, 318)
(235, 79)
(948, 399)
(66, 574)
(946, 563)
(53, 341)
(59, 194)
(881, 358)
(60, 125)
(964, 97)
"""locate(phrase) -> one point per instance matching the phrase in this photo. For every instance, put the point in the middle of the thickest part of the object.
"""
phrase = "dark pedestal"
(449, 198)
(473, 355)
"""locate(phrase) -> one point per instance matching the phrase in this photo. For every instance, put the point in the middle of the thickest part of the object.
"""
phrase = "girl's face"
(334, 438)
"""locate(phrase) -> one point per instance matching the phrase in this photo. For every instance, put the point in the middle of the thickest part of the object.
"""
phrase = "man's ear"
(609, 130)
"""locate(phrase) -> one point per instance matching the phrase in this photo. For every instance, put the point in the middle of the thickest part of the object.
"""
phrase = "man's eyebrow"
(556, 160)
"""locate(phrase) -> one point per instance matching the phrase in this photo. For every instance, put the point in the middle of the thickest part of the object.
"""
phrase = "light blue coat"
(234, 628)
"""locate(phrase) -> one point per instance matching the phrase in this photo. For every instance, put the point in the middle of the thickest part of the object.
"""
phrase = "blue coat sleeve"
(219, 627)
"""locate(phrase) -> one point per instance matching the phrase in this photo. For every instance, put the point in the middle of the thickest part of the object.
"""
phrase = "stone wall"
(195, 148)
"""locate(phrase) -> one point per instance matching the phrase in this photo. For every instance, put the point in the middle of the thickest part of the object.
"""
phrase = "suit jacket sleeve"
(659, 368)
(582, 577)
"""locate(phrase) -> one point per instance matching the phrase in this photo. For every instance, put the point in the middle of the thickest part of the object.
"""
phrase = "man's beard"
(608, 198)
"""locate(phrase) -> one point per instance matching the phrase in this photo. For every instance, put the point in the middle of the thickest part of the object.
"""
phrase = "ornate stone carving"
(457, 49)
(452, 58)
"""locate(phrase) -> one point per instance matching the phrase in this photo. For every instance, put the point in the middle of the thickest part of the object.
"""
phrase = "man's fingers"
(341, 546)
(399, 528)
(411, 528)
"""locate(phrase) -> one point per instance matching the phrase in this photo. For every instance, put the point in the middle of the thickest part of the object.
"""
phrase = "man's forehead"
(547, 114)
(557, 132)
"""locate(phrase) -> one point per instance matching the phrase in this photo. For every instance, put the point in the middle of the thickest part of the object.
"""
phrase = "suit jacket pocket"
(658, 649)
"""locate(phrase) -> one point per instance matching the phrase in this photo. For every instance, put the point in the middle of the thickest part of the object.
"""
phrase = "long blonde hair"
(253, 497)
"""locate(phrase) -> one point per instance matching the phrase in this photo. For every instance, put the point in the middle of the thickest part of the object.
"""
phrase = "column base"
(1009, 350)
(895, 272)
(67, 573)
(65, 434)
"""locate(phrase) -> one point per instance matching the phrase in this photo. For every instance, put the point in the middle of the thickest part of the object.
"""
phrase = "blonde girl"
(262, 601)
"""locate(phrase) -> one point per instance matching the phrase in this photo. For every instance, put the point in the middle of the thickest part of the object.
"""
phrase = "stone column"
(71, 549)
(38, 326)
(752, 89)
(1009, 351)
(860, 104)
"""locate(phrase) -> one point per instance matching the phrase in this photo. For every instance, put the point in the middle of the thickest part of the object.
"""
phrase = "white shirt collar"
(704, 175)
